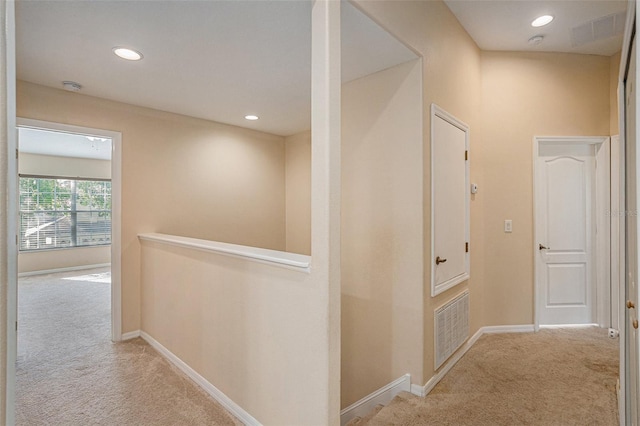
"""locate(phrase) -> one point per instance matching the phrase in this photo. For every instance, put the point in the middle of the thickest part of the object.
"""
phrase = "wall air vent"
(451, 327)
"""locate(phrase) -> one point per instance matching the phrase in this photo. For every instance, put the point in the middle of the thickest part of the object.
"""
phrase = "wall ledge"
(293, 261)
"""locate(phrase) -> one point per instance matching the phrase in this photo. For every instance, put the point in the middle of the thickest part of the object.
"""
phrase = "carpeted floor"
(70, 373)
(554, 377)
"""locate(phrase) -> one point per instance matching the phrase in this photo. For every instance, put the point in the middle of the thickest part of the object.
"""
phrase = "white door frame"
(617, 228)
(629, 32)
(10, 252)
(116, 208)
(601, 297)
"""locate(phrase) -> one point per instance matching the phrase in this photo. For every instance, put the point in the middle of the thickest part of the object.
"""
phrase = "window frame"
(68, 178)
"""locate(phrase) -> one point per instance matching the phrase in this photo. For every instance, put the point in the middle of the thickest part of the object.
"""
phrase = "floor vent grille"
(451, 327)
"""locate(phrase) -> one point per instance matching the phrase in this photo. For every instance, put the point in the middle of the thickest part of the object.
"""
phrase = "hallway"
(69, 372)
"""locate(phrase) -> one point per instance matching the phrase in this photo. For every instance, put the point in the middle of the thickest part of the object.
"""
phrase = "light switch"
(508, 226)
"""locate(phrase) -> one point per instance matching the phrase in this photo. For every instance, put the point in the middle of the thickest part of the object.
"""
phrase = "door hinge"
(466, 155)
(16, 153)
(16, 325)
(466, 247)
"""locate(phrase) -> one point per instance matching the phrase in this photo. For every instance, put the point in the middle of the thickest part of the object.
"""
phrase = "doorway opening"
(572, 231)
(69, 198)
(68, 244)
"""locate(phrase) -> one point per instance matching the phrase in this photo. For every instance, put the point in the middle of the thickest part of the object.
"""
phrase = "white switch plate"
(508, 225)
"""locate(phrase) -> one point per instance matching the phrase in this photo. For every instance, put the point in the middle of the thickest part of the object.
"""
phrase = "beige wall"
(252, 330)
(451, 79)
(382, 270)
(226, 182)
(526, 95)
(47, 260)
(614, 72)
(48, 165)
(298, 192)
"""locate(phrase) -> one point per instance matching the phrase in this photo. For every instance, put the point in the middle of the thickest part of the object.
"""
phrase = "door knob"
(541, 247)
(439, 260)
(630, 304)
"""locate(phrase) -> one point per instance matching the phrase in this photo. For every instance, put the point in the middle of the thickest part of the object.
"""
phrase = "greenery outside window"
(62, 213)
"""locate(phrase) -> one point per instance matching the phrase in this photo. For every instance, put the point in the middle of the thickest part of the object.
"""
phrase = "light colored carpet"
(70, 373)
(554, 377)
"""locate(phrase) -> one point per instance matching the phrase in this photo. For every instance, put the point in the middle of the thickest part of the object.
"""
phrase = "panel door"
(450, 198)
(565, 210)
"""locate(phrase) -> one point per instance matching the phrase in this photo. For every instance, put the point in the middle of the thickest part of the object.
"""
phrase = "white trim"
(436, 111)
(555, 326)
(272, 257)
(541, 140)
(67, 269)
(214, 392)
(435, 379)
(629, 33)
(615, 232)
(116, 207)
(499, 329)
(130, 335)
(9, 47)
(602, 191)
(382, 396)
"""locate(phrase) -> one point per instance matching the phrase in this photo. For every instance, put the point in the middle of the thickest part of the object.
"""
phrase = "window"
(61, 213)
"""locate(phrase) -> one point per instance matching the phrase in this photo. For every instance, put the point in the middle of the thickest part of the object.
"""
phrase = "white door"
(565, 231)
(631, 226)
(450, 201)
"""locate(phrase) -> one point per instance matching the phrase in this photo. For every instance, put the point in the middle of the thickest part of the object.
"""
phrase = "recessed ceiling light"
(128, 54)
(251, 117)
(541, 21)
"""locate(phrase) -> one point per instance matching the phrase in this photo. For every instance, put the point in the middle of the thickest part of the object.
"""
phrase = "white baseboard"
(382, 396)
(215, 393)
(130, 335)
(433, 381)
(68, 269)
(552, 326)
(494, 329)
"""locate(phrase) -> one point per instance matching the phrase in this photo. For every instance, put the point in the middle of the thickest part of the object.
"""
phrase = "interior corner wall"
(451, 79)
(526, 95)
(180, 175)
(298, 192)
(614, 73)
(382, 247)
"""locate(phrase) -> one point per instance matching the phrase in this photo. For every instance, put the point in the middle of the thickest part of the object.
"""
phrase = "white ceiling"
(217, 60)
(36, 141)
(506, 24)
